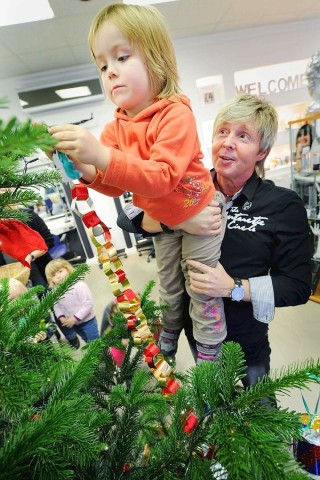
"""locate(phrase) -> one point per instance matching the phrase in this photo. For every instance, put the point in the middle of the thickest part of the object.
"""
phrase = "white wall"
(197, 57)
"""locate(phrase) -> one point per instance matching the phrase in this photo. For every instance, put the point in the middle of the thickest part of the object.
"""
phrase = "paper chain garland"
(128, 302)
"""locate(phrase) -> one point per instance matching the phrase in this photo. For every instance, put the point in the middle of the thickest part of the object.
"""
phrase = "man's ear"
(263, 155)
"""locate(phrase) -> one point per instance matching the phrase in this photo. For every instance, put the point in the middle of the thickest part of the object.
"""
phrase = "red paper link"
(171, 387)
(80, 192)
(190, 423)
(131, 323)
(121, 275)
(106, 230)
(127, 295)
(91, 219)
(151, 351)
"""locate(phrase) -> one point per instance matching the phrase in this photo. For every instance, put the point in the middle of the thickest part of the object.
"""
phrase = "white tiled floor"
(294, 332)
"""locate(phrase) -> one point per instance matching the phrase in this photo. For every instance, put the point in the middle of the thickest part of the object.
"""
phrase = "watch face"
(237, 294)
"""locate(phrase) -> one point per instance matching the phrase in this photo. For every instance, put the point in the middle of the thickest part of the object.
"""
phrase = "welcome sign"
(271, 79)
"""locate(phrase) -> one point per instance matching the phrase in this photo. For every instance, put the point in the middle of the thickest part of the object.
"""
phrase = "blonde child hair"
(55, 265)
(145, 28)
(16, 288)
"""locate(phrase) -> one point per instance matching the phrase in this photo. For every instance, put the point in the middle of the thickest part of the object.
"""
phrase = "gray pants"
(207, 313)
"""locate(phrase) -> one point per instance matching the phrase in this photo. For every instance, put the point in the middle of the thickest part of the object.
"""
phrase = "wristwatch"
(32, 257)
(237, 293)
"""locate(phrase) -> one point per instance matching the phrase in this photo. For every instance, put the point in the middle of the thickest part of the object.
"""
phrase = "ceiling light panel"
(13, 12)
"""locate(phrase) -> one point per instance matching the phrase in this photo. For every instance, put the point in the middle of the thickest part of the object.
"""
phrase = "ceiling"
(62, 41)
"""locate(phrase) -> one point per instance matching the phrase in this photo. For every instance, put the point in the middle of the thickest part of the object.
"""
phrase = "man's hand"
(209, 281)
(206, 222)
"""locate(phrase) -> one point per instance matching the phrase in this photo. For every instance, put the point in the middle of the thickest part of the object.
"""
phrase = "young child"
(151, 149)
(16, 289)
(74, 311)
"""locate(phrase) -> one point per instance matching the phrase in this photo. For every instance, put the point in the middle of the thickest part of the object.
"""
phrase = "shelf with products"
(305, 180)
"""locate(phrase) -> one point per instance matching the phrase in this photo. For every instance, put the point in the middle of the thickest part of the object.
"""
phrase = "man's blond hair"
(246, 108)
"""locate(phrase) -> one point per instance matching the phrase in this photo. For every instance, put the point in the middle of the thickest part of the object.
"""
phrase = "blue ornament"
(68, 166)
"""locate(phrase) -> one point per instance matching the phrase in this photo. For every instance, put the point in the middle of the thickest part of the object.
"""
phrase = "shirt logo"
(247, 205)
(243, 222)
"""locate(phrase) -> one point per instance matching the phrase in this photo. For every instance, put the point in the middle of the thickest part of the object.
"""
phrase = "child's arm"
(68, 322)
(82, 148)
(89, 156)
(84, 301)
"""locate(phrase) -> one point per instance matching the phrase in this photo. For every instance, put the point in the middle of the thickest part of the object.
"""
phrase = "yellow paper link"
(118, 288)
(132, 306)
(162, 372)
(141, 333)
(111, 251)
(103, 255)
(107, 268)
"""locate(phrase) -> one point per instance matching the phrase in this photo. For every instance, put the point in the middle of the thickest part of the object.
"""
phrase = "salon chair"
(145, 244)
(62, 249)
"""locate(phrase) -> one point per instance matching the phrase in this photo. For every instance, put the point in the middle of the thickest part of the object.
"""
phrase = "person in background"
(303, 143)
(152, 149)
(38, 263)
(48, 326)
(265, 255)
(36, 259)
(74, 312)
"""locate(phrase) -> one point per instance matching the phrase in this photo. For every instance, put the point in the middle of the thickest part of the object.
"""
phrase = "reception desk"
(60, 224)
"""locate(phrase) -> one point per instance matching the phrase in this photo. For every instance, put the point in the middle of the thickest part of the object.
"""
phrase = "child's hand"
(68, 322)
(80, 146)
(39, 337)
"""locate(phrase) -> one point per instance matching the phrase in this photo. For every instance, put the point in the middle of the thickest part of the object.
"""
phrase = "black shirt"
(267, 232)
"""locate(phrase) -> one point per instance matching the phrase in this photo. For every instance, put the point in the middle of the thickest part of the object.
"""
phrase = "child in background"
(152, 150)
(74, 311)
(16, 289)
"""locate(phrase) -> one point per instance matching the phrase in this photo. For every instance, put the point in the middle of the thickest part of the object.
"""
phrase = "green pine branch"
(22, 139)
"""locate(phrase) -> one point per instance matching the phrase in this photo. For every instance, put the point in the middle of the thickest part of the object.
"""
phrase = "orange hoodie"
(156, 155)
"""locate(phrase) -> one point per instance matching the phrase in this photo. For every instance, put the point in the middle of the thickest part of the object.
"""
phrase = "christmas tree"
(64, 418)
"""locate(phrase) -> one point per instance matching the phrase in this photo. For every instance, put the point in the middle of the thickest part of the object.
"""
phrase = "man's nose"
(229, 141)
